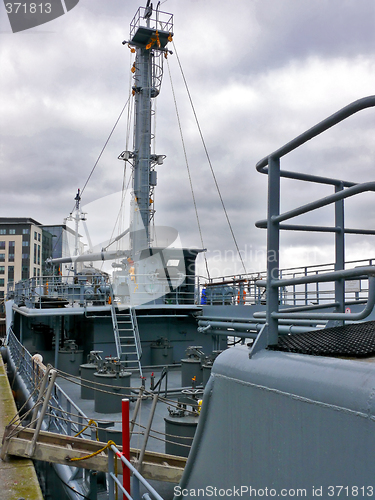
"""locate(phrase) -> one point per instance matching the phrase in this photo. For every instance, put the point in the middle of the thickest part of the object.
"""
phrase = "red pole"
(125, 445)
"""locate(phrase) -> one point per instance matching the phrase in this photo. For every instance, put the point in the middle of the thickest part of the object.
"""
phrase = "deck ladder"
(128, 343)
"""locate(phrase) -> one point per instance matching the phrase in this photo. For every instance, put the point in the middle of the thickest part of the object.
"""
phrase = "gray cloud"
(259, 73)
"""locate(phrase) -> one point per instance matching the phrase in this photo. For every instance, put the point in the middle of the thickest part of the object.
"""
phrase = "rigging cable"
(105, 145)
(119, 215)
(124, 190)
(188, 170)
(208, 159)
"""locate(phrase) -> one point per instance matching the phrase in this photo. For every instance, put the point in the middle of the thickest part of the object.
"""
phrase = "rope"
(105, 145)
(87, 426)
(77, 459)
(119, 388)
(124, 189)
(165, 434)
(209, 160)
(18, 419)
(188, 169)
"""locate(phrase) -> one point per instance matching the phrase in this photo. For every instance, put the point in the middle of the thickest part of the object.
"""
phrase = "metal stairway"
(128, 342)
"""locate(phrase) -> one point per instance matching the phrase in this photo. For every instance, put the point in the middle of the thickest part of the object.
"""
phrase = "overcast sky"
(259, 73)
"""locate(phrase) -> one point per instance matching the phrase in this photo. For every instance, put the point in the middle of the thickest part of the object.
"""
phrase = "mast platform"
(144, 36)
(148, 23)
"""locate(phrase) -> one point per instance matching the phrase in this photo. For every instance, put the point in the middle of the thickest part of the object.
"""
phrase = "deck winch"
(87, 374)
(161, 352)
(115, 385)
(191, 366)
(182, 423)
(70, 358)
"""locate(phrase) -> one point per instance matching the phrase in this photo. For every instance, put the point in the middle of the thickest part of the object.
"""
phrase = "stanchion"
(125, 445)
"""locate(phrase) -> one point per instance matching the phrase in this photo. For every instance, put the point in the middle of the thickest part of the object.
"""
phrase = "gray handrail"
(349, 273)
(322, 202)
(136, 476)
(270, 165)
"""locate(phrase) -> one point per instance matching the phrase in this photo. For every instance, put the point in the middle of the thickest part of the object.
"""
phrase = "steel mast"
(150, 32)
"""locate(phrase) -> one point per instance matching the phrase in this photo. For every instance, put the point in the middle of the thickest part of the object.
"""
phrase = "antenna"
(148, 10)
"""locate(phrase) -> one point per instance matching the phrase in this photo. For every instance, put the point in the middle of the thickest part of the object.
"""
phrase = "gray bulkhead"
(285, 421)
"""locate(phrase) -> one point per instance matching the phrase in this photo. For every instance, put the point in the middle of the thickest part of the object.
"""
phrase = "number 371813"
(31, 8)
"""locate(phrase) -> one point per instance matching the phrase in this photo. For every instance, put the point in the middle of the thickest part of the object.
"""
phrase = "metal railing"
(95, 290)
(65, 417)
(158, 20)
(250, 289)
(276, 221)
(137, 479)
(57, 291)
(239, 290)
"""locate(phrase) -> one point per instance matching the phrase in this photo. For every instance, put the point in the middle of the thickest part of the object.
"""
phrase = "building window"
(35, 250)
(25, 256)
(38, 272)
(2, 245)
(34, 271)
(39, 255)
(1, 281)
(2, 269)
(3, 231)
(1, 294)
(25, 272)
(25, 243)
(12, 231)
(10, 273)
(2, 257)
(35, 235)
(38, 236)
(11, 247)
(25, 231)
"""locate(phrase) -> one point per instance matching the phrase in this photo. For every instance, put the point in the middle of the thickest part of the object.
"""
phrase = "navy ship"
(287, 408)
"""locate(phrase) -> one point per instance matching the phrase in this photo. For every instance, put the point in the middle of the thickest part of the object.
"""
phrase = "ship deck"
(156, 442)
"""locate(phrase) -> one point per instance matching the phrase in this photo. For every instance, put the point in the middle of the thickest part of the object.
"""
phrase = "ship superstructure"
(280, 407)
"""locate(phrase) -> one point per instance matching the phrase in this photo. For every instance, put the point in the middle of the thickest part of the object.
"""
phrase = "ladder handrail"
(136, 331)
(115, 329)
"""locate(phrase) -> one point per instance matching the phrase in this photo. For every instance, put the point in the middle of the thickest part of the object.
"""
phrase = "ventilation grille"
(356, 340)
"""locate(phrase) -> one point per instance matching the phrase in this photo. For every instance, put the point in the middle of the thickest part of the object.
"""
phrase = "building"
(63, 244)
(63, 240)
(20, 250)
(25, 244)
